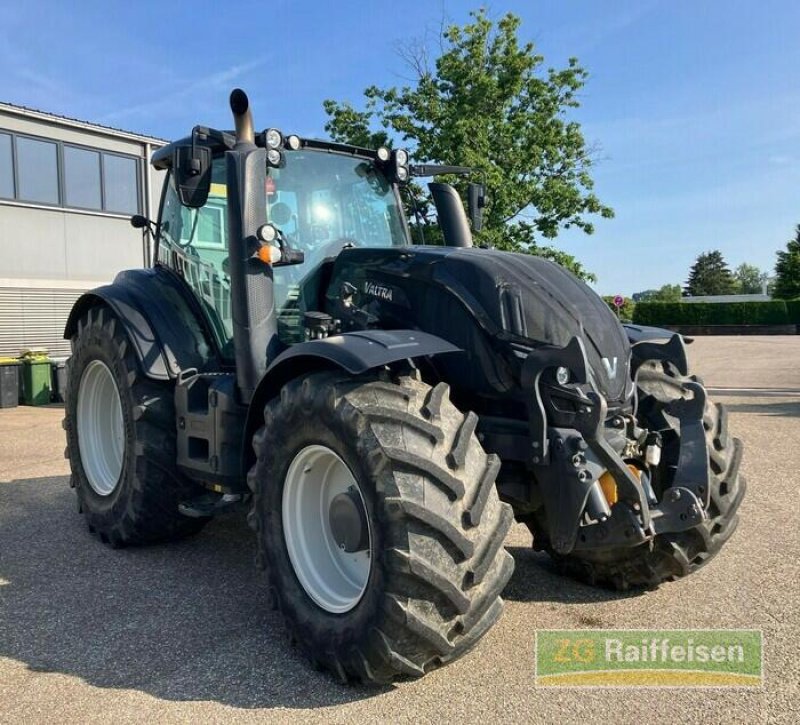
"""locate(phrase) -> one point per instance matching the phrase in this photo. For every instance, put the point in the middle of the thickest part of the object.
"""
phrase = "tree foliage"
(625, 312)
(487, 102)
(787, 270)
(665, 293)
(750, 279)
(710, 275)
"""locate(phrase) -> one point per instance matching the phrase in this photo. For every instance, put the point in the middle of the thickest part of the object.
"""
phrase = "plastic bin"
(9, 383)
(59, 379)
(36, 387)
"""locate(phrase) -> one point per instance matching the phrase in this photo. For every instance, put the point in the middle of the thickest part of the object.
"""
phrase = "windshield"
(321, 201)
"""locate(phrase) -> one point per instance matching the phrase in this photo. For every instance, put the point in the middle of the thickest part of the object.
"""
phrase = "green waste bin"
(36, 378)
(9, 383)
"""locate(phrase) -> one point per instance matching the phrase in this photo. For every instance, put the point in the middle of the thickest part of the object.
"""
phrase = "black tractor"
(386, 410)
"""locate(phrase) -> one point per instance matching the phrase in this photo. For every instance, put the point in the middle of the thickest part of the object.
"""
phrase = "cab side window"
(193, 242)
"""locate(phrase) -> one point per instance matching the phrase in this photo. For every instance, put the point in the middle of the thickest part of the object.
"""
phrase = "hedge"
(772, 312)
(793, 310)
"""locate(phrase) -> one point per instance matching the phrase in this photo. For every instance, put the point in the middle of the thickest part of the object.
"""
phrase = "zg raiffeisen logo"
(654, 658)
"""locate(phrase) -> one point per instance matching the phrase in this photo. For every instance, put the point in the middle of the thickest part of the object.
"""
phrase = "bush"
(793, 311)
(772, 312)
(627, 310)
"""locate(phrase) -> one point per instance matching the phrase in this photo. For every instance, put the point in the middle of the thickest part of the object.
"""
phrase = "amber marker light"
(268, 254)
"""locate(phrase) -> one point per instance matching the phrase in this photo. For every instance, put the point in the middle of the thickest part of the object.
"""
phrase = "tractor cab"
(319, 199)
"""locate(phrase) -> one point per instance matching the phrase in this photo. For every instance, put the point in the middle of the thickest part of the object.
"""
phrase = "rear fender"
(155, 309)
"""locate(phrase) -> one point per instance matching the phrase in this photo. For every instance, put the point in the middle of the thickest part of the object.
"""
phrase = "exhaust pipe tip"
(239, 102)
(242, 117)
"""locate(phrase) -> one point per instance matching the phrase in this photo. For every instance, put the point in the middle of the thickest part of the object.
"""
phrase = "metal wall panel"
(35, 318)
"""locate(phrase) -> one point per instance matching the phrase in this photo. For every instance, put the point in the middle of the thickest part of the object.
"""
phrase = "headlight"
(562, 375)
(267, 233)
(273, 138)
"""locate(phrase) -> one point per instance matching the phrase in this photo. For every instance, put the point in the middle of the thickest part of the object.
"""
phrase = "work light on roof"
(383, 154)
(274, 138)
(293, 142)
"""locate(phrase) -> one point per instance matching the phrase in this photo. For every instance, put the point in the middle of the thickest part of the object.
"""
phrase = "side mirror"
(139, 222)
(476, 201)
(191, 165)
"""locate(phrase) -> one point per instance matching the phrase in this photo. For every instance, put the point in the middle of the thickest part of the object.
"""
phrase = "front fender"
(352, 352)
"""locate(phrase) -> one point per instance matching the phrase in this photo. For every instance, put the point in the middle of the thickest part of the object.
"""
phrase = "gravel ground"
(178, 633)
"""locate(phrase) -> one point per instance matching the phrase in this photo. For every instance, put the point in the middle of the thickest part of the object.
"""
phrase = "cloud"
(171, 98)
(583, 39)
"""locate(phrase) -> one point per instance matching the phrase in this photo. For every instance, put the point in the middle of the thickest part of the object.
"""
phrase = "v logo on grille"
(611, 367)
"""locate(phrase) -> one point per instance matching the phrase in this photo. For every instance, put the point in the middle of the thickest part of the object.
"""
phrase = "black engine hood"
(517, 297)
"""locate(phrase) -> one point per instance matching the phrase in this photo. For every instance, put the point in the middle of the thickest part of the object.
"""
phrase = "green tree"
(749, 279)
(787, 270)
(625, 313)
(488, 103)
(665, 293)
(710, 276)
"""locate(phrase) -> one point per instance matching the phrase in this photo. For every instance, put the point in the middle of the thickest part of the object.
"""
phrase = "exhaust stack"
(242, 117)
(255, 329)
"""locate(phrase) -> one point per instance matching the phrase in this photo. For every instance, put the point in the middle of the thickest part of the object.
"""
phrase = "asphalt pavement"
(180, 633)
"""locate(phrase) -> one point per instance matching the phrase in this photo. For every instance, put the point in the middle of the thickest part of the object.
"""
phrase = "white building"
(67, 191)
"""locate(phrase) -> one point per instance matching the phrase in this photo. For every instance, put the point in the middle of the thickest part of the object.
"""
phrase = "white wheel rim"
(101, 432)
(335, 579)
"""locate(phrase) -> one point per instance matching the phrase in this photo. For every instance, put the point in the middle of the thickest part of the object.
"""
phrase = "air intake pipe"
(255, 330)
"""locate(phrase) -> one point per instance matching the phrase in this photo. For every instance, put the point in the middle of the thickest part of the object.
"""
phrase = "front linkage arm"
(568, 476)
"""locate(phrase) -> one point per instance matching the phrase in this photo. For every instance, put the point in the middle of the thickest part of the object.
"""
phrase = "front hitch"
(568, 462)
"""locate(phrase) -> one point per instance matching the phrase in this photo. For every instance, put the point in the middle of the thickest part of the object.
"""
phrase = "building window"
(82, 178)
(120, 184)
(6, 167)
(37, 170)
(42, 171)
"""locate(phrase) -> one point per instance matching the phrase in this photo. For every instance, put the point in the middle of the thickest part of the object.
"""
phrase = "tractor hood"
(511, 297)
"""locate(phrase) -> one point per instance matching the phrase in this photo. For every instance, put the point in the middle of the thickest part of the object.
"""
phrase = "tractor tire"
(121, 440)
(436, 527)
(671, 555)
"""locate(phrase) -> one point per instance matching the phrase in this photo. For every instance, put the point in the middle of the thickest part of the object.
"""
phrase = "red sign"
(619, 300)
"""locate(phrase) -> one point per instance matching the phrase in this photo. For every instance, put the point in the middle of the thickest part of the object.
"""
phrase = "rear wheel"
(379, 524)
(121, 440)
(671, 555)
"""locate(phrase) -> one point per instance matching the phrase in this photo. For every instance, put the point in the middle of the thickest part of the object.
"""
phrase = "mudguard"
(159, 315)
(353, 352)
(643, 333)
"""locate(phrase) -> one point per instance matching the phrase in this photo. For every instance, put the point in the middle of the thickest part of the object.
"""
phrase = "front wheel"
(379, 524)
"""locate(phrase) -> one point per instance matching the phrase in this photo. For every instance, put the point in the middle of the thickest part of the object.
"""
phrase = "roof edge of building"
(76, 123)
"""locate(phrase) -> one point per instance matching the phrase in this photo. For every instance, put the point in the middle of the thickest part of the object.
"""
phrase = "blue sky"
(695, 107)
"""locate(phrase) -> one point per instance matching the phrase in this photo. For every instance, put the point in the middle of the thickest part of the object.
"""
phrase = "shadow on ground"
(763, 406)
(536, 579)
(185, 621)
